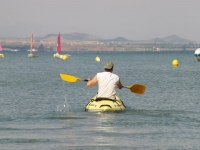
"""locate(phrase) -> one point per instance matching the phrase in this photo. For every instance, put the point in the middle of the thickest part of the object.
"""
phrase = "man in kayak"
(107, 82)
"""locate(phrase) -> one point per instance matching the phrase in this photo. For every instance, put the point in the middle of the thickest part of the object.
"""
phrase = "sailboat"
(197, 54)
(1, 55)
(58, 55)
(31, 55)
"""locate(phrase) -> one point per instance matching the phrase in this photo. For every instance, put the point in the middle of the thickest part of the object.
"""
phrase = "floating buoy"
(175, 63)
(97, 58)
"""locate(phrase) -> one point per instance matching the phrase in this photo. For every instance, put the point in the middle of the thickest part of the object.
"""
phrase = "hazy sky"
(132, 19)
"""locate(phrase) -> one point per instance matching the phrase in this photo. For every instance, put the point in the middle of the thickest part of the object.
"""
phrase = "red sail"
(0, 48)
(58, 44)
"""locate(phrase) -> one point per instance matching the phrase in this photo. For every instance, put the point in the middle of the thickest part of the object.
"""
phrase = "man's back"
(107, 83)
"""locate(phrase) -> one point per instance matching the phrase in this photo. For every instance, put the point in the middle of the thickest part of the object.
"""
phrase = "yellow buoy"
(97, 58)
(175, 63)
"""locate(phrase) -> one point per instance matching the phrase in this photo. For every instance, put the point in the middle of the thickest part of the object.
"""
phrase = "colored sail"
(0, 48)
(58, 44)
(31, 45)
(31, 54)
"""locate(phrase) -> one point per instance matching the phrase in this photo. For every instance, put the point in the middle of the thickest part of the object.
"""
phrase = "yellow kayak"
(104, 104)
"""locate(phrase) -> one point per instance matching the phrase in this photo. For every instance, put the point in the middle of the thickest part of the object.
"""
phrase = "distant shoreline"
(85, 42)
(100, 47)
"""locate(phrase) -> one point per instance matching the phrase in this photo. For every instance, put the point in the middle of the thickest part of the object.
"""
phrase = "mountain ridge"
(87, 37)
(75, 36)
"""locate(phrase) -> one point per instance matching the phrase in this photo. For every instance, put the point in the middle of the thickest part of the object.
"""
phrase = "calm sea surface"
(40, 111)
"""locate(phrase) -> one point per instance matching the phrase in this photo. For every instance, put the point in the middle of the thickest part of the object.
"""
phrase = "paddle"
(70, 78)
(135, 88)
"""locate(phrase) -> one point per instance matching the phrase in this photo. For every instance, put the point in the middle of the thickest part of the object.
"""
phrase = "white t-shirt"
(107, 82)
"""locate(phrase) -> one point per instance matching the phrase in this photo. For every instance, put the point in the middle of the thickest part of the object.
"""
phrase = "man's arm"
(92, 82)
(119, 85)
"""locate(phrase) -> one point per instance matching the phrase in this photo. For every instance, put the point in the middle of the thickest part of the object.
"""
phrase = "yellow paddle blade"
(137, 88)
(69, 78)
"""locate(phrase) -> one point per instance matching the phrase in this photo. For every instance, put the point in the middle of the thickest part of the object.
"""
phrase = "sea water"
(40, 111)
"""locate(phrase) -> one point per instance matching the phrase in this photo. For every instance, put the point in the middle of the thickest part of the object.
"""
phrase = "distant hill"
(168, 39)
(176, 39)
(172, 39)
(73, 37)
(118, 39)
(86, 37)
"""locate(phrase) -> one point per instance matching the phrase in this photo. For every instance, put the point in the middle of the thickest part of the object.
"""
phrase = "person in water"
(107, 82)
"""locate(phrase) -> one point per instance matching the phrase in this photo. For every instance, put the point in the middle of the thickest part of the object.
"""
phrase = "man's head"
(108, 66)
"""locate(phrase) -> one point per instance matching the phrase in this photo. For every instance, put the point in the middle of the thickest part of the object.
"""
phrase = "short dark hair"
(108, 70)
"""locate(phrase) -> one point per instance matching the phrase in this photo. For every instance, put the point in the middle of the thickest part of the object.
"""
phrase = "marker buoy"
(175, 63)
(97, 58)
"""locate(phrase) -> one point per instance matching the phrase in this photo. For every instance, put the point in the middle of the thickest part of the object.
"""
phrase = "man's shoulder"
(101, 72)
(116, 75)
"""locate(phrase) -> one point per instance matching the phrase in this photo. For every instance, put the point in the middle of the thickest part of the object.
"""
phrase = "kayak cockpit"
(105, 104)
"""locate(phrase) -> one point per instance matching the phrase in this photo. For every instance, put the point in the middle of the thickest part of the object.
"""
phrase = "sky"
(107, 19)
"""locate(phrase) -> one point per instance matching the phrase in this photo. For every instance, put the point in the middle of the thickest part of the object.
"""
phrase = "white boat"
(31, 54)
(197, 54)
(1, 55)
(58, 54)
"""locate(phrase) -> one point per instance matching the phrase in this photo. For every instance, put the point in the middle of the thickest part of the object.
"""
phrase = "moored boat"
(1, 54)
(31, 54)
(63, 57)
(58, 54)
(104, 104)
(197, 54)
